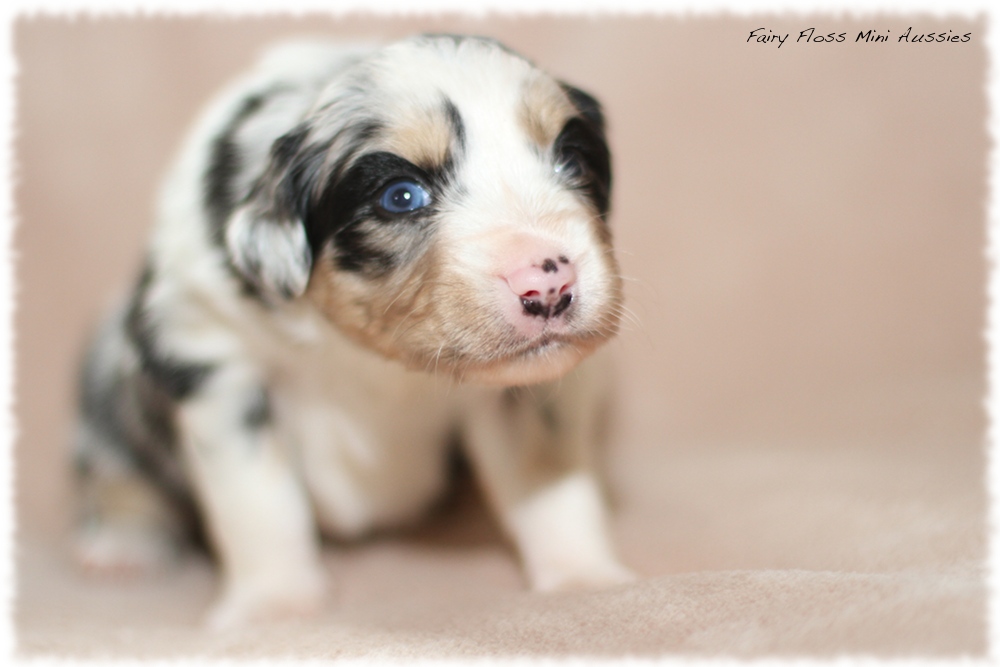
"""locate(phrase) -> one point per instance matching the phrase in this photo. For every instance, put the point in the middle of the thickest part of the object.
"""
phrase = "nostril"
(562, 305)
(536, 308)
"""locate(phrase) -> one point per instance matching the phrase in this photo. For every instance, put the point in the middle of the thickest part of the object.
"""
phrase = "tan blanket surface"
(798, 454)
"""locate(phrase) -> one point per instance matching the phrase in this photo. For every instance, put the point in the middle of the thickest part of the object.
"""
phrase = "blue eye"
(403, 197)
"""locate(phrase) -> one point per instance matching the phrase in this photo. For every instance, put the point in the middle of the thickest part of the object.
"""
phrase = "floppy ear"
(584, 147)
(587, 105)
(265, 236)
(272, 256)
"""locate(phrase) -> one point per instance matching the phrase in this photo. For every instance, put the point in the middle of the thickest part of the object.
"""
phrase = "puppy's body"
(361, 257)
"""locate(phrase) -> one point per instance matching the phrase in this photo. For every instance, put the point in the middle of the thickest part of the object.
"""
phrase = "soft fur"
(298, 354)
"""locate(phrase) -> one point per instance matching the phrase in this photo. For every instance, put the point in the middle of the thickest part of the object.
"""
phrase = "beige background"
(798, 453)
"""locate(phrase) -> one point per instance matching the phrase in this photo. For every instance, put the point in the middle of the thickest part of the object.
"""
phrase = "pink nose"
(544, 288)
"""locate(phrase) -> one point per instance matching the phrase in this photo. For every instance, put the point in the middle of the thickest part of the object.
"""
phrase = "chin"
(544, 363)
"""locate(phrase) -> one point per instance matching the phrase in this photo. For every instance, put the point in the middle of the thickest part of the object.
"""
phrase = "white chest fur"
(369, 437)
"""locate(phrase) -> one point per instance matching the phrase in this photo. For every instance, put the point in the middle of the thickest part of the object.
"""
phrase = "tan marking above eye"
(422, 136)
(545, 110)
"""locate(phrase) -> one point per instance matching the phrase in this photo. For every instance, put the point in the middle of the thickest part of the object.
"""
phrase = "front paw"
(246, 602)
(562, 533)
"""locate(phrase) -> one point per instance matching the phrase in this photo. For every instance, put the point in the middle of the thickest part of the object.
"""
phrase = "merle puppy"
(361, 257)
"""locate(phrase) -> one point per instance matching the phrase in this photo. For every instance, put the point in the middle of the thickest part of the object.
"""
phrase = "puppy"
(361, 257)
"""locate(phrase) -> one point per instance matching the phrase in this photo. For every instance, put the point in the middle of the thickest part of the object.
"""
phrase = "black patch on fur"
(179, 379)
(582, 149)
(297, 166)
(586, 162)
(224, 165)
(287, 146)
(136, 418)
(133, 415)
(258, 411)
(455, 121)
(350, 201)
(296, 185)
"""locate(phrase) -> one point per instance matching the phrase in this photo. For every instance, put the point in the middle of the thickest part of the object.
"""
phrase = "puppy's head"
(444, 202)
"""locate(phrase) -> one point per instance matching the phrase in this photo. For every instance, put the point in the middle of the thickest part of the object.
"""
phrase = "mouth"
(543, 359)
(544, 344)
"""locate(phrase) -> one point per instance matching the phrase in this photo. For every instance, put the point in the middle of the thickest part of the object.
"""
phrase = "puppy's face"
(453, 199)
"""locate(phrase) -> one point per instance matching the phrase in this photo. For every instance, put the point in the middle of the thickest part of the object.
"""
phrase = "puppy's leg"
(533, 448)
(136, 510)
(126, 525)
(255, 507)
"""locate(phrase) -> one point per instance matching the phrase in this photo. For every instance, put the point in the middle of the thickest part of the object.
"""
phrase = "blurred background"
(802, 229)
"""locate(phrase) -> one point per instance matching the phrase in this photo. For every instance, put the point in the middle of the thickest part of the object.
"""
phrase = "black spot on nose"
(549, 266)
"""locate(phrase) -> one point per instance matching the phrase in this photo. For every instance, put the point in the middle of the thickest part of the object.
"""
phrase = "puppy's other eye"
(403, 197)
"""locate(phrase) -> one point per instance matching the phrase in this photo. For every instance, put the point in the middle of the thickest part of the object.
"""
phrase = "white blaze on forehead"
(506, 107)
(472, 69)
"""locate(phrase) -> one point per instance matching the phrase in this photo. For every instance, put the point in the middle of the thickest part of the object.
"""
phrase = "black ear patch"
(257, 231)
(264, 236)
(177, 378)
(225, 164)
(271, 238)
(581, 150)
